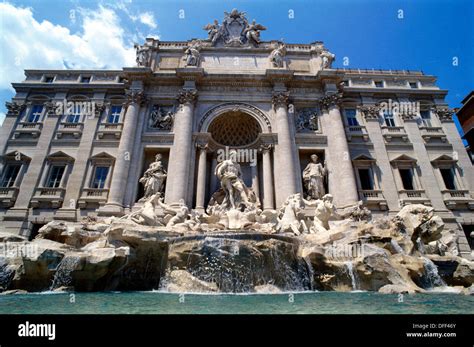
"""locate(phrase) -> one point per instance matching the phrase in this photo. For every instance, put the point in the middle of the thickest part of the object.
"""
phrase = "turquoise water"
(300, 303)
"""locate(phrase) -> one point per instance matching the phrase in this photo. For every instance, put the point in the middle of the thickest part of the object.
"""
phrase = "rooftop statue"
(235, 30)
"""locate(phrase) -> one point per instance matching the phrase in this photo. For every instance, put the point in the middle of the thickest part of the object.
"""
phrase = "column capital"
(445, 114)
(202, 146)
(280, 98)
(330, 100)
(136, 96)
(187, 96)
(52, 108)
(14, 109)
(99, 108)
(370, 112)
(265, 147)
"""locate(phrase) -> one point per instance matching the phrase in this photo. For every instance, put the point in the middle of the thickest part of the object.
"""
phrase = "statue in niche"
(234, 194)
(276, 57)
(161, 118)
(327, 59)
(313, 177)
(252, 32)
(143, 55)
(153, 179)
(307, 120)
(192, 54)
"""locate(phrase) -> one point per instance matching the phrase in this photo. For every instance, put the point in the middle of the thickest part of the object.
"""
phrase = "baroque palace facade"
(381, 136)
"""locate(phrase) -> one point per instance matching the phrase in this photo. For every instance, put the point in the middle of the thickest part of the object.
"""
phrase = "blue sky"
(100, 34)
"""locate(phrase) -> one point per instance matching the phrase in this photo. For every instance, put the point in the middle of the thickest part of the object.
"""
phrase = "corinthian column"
(180, 154)
(267, 178)
(201, 177)
(285, 151)
(122, 163)
(342, 184)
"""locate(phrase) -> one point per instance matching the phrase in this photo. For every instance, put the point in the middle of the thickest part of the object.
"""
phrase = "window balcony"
(413, 197)
(430, 133)
(71, 130)
(93, 197)
(27, 130)
(8, 196)
(373, 198)
(357, 131)
(394, 133)
(48, 197)
(109, 130)
(458, 199)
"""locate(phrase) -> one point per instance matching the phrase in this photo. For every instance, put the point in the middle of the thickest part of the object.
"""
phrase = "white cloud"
(148, 19)
(26, 43)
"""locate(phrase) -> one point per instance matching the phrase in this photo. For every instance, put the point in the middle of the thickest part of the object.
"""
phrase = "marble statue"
(252, 32)
(154, 178)
(313, 177)
(143, 55)
(325, 209)
(146, 214)
(192, 54)
(237, 194)
(161, 118)
(327, 59)
(176, 214)
(276, 57)
(214, 31)
(290, 217)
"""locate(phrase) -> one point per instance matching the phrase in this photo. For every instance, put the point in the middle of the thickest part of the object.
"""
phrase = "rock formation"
(187, 251)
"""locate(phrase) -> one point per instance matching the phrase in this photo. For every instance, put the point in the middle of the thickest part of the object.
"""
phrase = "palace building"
(75, 143)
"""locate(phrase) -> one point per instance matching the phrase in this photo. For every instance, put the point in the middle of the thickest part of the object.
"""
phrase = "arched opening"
(235, 129)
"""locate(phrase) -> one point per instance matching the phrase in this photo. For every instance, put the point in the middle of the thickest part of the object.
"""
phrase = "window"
(407, 179)
(345, 83)
(351, 116)
(426, 118)
(48, 79)
(75, 116)
(379, 84)
(35, 114)
(366, 182)
(55, 176)
(448, 178)
(10, 175)
(100, 175)
(85, 79)
(413, 85)
(389, 120)
(114, 116)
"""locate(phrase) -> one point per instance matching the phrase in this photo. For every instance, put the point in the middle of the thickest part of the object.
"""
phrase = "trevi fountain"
(235, 247)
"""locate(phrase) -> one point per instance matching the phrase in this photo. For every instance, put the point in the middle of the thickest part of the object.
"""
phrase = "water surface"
(299, 303)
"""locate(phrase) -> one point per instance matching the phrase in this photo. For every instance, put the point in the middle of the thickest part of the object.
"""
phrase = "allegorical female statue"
(313, 177)
(154, 178)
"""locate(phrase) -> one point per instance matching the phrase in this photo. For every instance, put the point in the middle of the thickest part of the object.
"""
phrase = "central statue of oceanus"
(233, 194)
